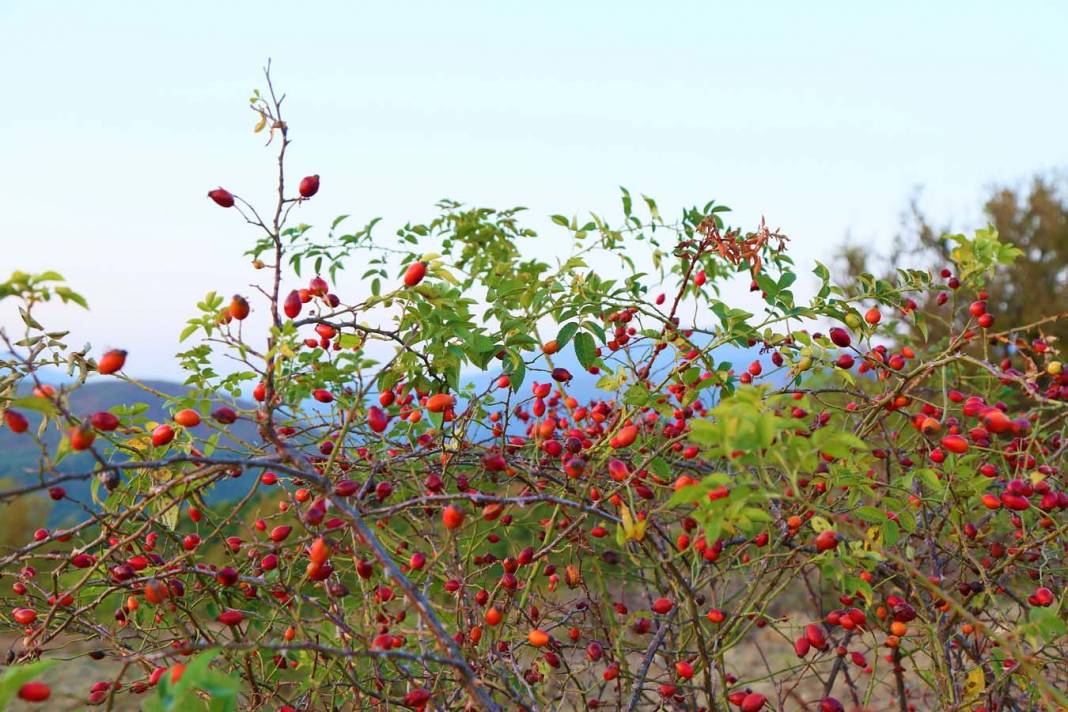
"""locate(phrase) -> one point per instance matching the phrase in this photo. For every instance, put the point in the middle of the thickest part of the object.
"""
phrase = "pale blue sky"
(118, 117)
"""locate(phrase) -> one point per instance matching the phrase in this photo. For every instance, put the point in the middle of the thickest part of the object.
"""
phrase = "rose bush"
(485, 479)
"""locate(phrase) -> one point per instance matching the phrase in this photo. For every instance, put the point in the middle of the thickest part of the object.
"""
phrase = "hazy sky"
(118, 117)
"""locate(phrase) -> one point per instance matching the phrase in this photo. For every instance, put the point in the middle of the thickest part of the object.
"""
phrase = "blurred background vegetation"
(1033, 218)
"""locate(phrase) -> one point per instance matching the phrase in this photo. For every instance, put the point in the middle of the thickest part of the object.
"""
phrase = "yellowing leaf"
(819, 524)
(628, 520)
(262, 124)
(444, 274)
(974, 685)
(632, 530)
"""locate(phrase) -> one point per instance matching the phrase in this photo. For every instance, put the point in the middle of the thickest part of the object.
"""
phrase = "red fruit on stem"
(81, 437)
(414, 274)
(452, 517)
(16, 421)
(840, 337)
(830, 704)
(111, 362)
(24, 616)
(663, 606)
(309, 186)
(753, 702)
(826, 540)
(417, 698)
(187, 418)
(239, 307)
(104, 421)
(231, 617)
(292, 304)
(440, 402)
(955, 444)
(377, 419)
(34, 692)
(162, 435)
(222, 197)
(224, 415)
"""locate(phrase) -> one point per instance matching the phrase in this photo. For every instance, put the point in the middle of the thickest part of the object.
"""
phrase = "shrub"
(482, 478)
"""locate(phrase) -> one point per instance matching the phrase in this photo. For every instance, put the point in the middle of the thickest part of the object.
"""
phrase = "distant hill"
(19, 454)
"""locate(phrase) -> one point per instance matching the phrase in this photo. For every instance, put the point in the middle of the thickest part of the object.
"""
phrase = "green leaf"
(565, 334)
(704, 432)
(69, 295)
(871, 514)
(37, 405)
(198, 675)
(891, 532)
(18, 675)
(637, 395)
(585, 349)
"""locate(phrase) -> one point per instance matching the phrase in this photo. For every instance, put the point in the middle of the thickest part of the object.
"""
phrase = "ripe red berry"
(417, 698)
(826, 540)
(840, 337)
(16, 421)
(414, 274)
(104, 421)
(231, 617)
(26, 616)
(663, 606)
(239, 308)
(753, 702)
(81, 437)
(440, 402)
(377, 419)
(111, 362)
(162, 435)
(187, 418)
(34, 692)
(830, 704)
(309, 186)
(955, 444)
(452, 517)
(222, 197)
(292, 304)
(224, 415)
